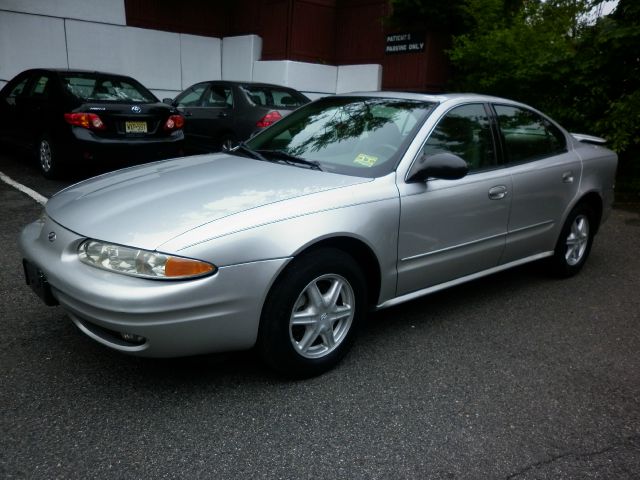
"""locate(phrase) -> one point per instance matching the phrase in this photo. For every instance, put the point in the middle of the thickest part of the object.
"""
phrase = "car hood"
(147, 205)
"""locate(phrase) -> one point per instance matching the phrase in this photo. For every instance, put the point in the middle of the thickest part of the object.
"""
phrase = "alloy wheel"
(45, 156)
(322, 316)
(577, 240)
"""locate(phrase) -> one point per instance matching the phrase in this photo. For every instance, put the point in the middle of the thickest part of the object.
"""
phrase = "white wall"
(359, 78)
(91, 34)
(201, 59)
(104, 11)
(319, 80)
(143, 54)
(306, 77)
(164, 62)
(238, 56)
(19, 52)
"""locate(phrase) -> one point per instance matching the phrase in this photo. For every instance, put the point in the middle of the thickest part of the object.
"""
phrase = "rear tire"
(575, 241)
(312, 312)
(48, 157)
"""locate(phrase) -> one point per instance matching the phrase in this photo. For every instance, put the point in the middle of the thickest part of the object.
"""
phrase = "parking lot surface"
(514, 376)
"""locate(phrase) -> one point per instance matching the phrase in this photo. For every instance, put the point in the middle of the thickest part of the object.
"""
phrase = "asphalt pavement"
(515, 376)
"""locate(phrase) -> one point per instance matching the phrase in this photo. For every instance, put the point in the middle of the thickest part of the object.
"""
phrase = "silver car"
(351, 203)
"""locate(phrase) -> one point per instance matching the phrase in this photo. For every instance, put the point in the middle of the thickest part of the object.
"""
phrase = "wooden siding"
(333, 32)
(313, 27)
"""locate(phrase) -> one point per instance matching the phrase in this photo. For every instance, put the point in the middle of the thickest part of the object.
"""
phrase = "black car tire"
(280, 341)
(48, 157)
(227, 142)
(574, 243)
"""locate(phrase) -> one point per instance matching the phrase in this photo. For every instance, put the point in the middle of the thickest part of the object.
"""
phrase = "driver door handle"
(567, 177)
(498, 192)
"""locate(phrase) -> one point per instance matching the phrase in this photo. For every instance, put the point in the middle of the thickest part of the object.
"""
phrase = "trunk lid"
(127, 120)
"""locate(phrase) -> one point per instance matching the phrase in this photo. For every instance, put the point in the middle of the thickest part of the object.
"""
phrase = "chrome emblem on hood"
(52, 236)
(136, 109)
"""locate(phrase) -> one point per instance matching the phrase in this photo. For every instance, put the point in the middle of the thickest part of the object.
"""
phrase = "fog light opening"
(132, 338)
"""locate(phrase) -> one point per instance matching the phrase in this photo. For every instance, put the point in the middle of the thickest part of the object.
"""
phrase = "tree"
(526, 55)
(609, 60)
(551, 54)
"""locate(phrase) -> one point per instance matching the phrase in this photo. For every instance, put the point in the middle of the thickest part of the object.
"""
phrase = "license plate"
(37, 280)
(135, 127)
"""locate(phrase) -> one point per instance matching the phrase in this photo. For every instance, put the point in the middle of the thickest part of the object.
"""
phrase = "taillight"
(174, 122)
(269, 119)
(85, 120)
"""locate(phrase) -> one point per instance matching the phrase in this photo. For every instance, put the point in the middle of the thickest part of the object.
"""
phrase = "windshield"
(360, 136)
(91, 87)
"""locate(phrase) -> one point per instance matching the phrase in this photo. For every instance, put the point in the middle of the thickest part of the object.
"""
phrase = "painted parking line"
(26, 190)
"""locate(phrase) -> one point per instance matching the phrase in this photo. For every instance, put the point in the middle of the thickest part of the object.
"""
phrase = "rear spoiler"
(589, 139)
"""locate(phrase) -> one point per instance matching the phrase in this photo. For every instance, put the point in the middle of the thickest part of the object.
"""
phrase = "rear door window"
(273, 97)
(218, 96)
(527, 135)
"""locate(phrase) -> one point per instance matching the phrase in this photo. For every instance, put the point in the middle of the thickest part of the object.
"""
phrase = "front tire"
(228, 142)
(575, 241)
(312, 312)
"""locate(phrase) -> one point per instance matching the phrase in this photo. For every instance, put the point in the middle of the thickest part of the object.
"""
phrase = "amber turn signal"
(185, 267)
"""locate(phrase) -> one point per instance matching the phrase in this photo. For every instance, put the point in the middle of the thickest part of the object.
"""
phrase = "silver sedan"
(351, 203)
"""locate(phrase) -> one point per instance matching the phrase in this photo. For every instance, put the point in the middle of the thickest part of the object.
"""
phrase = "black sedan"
(222, 113)
(71, 116)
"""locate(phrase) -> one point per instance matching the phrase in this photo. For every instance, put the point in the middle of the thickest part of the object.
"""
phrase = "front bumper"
(175, 318)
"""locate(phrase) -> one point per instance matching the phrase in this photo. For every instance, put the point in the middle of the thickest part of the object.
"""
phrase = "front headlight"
(141, 263)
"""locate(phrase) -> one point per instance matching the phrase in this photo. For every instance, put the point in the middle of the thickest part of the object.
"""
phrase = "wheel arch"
(362, 253)
(595, 203)
(227, 132)
(277, 342)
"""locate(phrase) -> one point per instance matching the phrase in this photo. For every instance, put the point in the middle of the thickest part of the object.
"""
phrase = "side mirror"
(168, 101)
(446, 166)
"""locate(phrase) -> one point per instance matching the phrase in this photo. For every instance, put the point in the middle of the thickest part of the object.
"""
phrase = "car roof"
(429, 97)
(75, 70)
(242, 83)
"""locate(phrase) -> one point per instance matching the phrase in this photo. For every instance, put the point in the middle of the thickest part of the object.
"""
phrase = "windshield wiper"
(242, 147)
(292, 159)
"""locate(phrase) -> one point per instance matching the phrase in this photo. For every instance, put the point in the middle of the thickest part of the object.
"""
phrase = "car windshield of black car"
(106, 89)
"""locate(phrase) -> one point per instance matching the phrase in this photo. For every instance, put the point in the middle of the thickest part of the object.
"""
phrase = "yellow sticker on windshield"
(366, 160)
